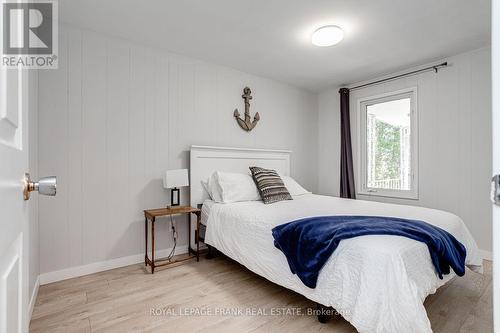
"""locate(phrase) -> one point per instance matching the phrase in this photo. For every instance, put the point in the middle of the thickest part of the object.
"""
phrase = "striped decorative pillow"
(271, 187)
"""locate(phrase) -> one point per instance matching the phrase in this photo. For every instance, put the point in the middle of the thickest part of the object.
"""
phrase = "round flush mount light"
(327, 36)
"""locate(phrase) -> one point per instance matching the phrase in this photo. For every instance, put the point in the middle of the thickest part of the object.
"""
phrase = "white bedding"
(378, 283)
(205, 211)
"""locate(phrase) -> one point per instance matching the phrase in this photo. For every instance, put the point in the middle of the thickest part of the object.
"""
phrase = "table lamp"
(174, 179)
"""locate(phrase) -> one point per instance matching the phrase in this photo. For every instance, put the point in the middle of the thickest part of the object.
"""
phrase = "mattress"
(378, 282)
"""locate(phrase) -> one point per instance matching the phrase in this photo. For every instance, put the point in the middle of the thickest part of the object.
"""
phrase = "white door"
(496, 157)
(13, 207)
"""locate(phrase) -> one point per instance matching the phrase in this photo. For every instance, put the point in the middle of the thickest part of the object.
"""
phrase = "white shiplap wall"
(454, 110)
(116, 115)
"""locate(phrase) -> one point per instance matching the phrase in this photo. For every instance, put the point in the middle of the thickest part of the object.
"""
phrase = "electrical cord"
(174, 236)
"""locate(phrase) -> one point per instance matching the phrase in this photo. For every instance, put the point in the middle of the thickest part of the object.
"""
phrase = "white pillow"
(293, 187)
(213, 189)
(204, 184)
(236, 187)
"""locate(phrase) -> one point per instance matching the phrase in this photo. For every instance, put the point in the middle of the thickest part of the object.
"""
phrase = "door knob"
(45, 186)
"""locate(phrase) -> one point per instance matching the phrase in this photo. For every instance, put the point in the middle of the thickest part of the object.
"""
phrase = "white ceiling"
(272, 37)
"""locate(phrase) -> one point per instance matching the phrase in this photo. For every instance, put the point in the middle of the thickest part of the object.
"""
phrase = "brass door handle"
(45, 186)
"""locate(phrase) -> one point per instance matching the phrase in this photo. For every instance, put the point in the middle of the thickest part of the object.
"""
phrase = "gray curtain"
(347, 189)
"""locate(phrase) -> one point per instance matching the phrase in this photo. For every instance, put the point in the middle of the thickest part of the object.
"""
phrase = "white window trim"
(361, 186)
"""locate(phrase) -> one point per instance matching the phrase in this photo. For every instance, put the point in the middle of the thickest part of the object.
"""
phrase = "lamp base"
(174, 197)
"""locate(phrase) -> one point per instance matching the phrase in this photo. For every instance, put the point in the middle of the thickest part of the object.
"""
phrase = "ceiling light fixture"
(327, 36)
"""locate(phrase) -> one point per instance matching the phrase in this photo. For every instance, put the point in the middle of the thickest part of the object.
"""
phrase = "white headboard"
(205, 160)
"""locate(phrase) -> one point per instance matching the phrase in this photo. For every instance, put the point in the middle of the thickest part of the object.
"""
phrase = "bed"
(378, 283)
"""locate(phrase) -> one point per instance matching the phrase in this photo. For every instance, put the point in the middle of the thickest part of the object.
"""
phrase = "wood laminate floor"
(219, 293)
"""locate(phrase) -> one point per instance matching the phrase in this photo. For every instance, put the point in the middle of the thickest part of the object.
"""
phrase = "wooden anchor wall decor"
(246, 124)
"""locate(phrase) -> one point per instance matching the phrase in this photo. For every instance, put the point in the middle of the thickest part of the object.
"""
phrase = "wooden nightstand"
(152, 214)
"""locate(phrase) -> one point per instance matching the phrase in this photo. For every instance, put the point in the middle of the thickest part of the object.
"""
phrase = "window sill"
(390, 194)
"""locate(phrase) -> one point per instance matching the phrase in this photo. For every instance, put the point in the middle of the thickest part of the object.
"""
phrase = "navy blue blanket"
(308, 243)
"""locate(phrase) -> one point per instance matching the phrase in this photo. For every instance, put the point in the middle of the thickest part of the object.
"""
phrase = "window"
(388, 145)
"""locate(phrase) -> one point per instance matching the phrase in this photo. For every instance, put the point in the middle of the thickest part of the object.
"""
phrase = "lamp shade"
(176, 178)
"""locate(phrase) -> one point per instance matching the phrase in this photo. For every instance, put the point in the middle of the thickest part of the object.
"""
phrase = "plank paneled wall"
(116, 115)
(454, 118)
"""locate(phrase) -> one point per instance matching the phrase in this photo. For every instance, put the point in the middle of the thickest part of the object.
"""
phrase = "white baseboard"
(34, 295)
(488, 255)
(77, 271)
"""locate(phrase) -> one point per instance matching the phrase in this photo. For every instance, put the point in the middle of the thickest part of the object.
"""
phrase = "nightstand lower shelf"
(151, 215)
(165, 262)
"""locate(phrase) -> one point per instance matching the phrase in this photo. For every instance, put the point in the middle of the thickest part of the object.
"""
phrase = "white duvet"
(378, 282)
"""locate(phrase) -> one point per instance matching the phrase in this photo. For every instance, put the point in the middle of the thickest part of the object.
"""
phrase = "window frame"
(363, 103)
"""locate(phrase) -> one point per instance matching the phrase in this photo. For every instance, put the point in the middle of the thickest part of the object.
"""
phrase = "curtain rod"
(434, 68)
